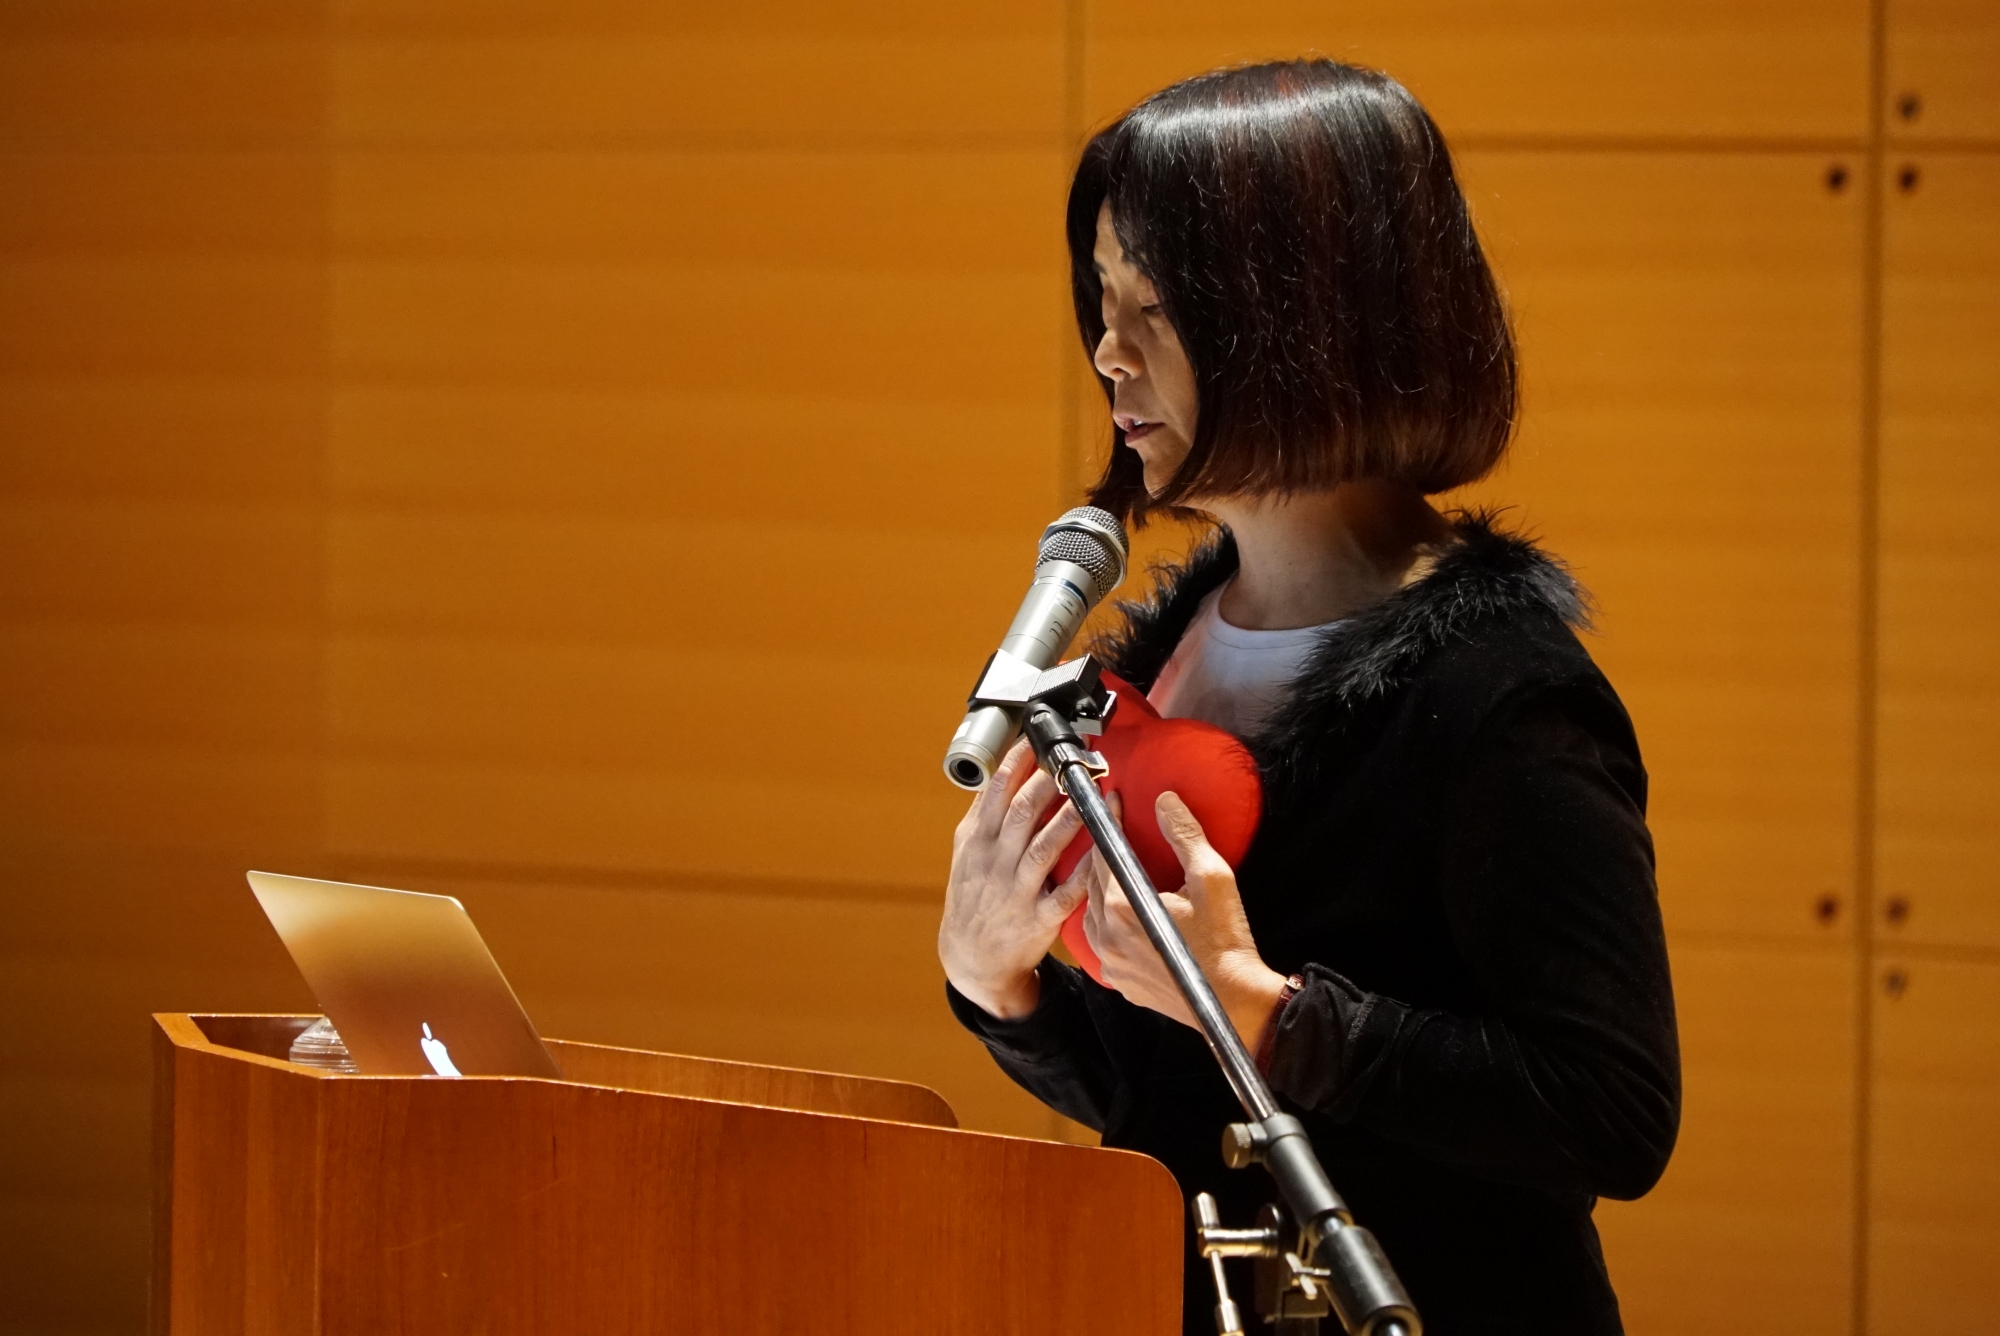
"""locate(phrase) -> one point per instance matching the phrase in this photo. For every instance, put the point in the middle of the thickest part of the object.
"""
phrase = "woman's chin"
(1156, 480)
(1156, 466)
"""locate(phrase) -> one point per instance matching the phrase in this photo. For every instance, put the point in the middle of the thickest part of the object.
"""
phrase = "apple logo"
(434, 1050)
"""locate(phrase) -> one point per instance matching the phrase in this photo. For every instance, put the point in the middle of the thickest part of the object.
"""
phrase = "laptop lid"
(405, 978)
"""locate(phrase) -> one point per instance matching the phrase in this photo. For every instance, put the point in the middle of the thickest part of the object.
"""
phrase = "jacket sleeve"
(1564, 1072)
(1054, 1052)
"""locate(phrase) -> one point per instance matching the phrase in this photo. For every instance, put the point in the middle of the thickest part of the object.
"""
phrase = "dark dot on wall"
(1836, 177)
(1897, 909)
(1827, 908)
(1906, 180)
(1909, 106)
(1894, 982)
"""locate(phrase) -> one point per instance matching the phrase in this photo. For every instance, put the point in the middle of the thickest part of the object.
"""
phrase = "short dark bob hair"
(1310, 246)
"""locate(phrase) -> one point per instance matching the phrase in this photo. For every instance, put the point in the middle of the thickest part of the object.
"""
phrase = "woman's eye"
(1151, 308)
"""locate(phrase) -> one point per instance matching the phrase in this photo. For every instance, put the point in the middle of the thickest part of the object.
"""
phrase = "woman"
(1444, 945)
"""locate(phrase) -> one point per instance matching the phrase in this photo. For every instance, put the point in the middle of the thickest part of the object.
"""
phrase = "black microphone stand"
(1336, 1264)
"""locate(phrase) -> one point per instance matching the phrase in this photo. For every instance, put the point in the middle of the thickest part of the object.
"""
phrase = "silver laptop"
(405, 978)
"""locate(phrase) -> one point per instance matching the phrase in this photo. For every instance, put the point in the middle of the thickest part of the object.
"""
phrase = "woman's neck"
(1315, 558)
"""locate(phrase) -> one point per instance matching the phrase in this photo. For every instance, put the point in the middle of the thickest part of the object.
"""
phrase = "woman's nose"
(1114, 357)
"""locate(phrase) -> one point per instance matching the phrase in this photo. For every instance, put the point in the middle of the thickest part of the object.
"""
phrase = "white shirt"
(1230, 677)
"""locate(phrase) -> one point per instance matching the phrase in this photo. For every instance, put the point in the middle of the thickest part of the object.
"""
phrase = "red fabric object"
(1213, 773)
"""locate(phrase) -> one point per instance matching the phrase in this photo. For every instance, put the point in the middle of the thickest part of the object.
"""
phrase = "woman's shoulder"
(1495, 622)
(1500, 614)
(1494, 606)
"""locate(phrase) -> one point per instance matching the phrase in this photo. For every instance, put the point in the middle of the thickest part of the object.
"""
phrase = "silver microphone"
(1080, 560)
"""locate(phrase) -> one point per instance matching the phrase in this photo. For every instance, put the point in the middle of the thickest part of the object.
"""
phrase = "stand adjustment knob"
(1244, 1144)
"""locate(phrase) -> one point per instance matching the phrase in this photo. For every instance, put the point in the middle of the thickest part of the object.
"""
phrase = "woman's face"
(1154, 398)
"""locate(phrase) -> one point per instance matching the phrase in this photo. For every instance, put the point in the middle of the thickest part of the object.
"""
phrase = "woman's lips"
(1136, 430)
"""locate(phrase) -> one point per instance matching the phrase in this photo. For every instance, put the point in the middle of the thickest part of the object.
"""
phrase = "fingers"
(1177, 821)
(1098, 874)
(1091, 870)
(1024, 812)
(1111, 923)
(989, 805)
(1049, 842)
(1200, 862)
(1061, 902)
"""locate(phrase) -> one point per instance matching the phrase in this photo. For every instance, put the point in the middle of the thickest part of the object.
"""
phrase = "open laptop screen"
(405, 978)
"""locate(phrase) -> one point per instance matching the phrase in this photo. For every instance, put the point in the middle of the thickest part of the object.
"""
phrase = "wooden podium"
(642, 1193)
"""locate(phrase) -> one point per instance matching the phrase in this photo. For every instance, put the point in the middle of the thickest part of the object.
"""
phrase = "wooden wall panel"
(217, 440)
(1690, 330)
(162, 342)
(1758, 1203)
(93, 938)
(600, 326)
(77, 1263)
(1938, 851)
(241, 204)
(624, 456)
(1934, 1198)
(731, 365)
(149, 316)
(777, 74)
(885, 211)
(622, 87)
(244, 90)
(681, 762)
(1564, 68)
(1941, 55)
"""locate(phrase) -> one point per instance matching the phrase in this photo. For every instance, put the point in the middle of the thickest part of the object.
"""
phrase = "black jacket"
(1454, 854)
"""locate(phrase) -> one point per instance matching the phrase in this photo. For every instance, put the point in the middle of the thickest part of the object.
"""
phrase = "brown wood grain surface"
(1553, 69)
(1938, 850)
(1940, 84)
(301, 1201)
(1933, 1230)
(271, 1036)
(751, 1083)
(1759, 1198)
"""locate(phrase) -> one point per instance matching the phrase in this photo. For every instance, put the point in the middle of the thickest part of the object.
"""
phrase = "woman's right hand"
(999, 921)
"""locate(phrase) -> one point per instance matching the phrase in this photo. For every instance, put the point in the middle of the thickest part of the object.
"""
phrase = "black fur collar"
(1487, 573)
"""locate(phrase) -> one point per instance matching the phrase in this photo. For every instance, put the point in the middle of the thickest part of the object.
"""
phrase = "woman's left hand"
(1209, 912)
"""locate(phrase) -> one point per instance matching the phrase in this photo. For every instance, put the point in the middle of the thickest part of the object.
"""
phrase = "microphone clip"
(1069, 702)
(1074, 690)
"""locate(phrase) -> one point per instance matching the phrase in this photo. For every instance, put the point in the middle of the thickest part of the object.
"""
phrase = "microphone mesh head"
(1093, 539)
